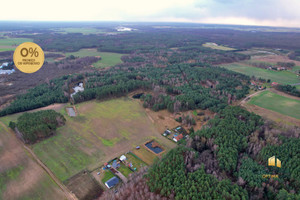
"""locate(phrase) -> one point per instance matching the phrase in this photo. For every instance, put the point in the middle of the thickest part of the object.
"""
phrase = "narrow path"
(247, 98)
(67, 192)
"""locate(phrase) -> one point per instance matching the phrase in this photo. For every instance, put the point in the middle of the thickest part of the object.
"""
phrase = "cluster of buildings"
(175, 134)
(258, 86)
(113, 167)
(261, 87)
(277, 68)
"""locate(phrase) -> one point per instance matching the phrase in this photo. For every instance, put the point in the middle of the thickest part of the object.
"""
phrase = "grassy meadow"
(10, 44)
(102, 131)
(282, 77)
(107, 59)
(277, 103)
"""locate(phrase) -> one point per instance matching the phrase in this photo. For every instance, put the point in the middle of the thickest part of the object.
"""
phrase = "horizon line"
(170, 22)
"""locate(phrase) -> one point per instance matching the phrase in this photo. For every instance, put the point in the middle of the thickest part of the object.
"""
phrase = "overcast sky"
(245, 12)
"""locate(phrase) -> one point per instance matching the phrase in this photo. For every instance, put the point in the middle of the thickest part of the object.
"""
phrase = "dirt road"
(244, 101)
(67, 192)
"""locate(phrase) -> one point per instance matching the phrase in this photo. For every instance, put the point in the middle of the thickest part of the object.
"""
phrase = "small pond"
(154, 146)
(71, 112)
(137, 96)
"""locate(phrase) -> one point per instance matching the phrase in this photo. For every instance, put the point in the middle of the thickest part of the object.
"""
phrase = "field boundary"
(67, 192)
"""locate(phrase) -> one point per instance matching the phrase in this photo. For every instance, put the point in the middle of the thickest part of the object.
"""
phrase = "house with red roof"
(274, 84)
(177, 138)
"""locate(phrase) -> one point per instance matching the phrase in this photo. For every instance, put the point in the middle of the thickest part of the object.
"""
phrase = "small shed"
(123, 158)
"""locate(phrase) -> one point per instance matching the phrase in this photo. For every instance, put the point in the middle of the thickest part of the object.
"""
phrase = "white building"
(123, 158)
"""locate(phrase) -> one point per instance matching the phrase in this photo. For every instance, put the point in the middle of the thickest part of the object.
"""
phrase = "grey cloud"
(253, 9)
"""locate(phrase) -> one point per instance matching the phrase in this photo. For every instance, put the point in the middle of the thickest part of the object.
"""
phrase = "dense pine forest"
(220, 162)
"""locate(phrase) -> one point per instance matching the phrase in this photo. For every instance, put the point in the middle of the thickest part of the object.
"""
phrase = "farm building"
(123, 158)
(177, 137)
(253, 83)
(112, 182)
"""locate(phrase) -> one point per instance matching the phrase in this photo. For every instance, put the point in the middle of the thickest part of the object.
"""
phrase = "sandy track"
(247, 98)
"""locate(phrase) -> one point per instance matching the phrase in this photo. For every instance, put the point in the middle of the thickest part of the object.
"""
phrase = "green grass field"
(277, 103)
(125, 170)
(296, 69)
(107, 59)
(283, 77)
(10, 44)
(102, 131)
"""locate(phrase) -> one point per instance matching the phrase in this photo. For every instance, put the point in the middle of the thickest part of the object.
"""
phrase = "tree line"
(36, 126)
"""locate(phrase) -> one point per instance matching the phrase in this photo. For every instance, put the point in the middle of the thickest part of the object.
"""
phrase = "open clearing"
(101, 132)
(282, 77)
(107, 59)
(9, 44)
(277, 103)
(218, 47)
(20, 176)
